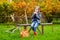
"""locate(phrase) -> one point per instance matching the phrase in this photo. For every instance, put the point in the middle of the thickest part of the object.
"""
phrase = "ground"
(48, 34)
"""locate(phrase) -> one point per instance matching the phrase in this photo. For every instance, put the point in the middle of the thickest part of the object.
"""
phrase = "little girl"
(35, 19)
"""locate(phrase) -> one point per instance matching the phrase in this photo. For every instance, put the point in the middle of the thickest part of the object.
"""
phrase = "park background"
(22, 11)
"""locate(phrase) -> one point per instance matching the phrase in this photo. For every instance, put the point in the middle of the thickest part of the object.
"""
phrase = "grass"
(48, 34)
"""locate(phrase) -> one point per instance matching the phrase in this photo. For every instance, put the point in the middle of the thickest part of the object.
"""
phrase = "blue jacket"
(36, 17)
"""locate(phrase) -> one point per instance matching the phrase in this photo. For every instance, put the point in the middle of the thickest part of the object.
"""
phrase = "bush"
(18, 8)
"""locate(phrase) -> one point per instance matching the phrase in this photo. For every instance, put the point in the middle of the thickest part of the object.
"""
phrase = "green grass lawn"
(48, 34)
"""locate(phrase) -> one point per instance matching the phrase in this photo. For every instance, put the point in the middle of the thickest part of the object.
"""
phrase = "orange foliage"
(22, 4)
(31, 5)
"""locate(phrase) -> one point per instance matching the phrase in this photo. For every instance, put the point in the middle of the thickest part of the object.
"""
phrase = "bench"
(42, 25)
(25, 27)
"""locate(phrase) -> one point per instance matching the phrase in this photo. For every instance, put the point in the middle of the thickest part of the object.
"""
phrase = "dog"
(24, 33)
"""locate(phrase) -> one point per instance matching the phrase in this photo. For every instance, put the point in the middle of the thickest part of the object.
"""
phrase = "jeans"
(34, 25)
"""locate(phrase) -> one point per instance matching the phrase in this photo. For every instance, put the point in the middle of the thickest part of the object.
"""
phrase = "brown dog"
(24, 33)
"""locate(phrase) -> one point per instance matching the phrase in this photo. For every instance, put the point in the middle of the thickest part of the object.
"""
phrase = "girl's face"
(36, 10)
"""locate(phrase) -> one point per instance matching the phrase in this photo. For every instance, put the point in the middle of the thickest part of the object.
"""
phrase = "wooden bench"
(26, 25)
(42, 25)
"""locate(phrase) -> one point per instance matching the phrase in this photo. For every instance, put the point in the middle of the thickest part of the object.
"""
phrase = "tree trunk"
(26, 17)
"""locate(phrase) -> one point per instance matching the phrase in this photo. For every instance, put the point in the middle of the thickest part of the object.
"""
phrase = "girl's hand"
(35, 12)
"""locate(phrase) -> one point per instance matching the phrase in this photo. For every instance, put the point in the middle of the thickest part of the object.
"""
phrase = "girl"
(35, 19)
